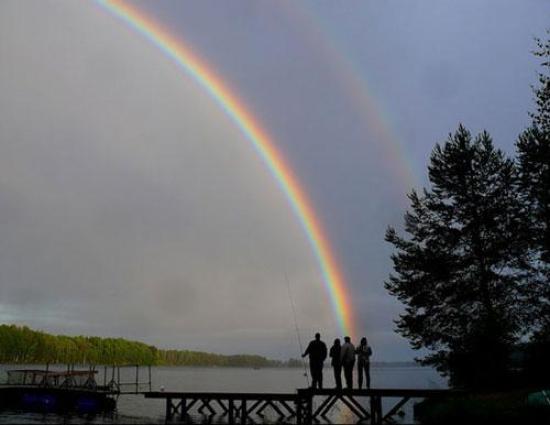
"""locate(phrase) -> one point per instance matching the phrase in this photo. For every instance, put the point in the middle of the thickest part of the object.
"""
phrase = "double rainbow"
(182, 55)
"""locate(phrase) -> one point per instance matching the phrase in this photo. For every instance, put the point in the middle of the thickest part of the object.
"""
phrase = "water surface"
(138, 410)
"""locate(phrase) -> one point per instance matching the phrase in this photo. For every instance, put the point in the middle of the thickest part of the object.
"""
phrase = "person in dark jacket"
(336, 363)
(363, 362)
(317, 351)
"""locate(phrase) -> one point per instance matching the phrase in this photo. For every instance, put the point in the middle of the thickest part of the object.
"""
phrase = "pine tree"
(458, 273)
(541, 118)
(533, 149)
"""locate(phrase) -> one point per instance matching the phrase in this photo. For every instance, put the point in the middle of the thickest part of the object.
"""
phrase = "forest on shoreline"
(22, 345)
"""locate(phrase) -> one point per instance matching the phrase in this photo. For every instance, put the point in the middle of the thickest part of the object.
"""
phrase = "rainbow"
(195, 67)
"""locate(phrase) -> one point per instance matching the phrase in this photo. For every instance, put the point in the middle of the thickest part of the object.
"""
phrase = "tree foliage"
(19, 344)
(474, 271)
(459, 273)
(533, 149)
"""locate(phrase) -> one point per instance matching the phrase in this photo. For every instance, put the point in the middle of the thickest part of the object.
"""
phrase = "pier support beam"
(245, 407)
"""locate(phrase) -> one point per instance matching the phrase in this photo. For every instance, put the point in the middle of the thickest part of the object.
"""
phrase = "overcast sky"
(131, 206)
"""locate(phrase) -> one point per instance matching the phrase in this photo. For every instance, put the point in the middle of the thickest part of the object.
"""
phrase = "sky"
(132, 206)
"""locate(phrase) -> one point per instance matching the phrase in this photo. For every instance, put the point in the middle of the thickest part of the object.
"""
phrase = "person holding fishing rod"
(317, 351)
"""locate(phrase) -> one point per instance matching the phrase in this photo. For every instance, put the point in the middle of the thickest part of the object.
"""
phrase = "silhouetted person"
(336, 362)
(317, 351)
(347, 355)
(363, 362)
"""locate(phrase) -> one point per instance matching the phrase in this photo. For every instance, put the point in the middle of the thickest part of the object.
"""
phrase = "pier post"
(183, 406)
(304, 407)
(309, 411)
(376, 409)
(243, 412)
(168, 408)
(231, 411)
(379, 415)
(372, 410)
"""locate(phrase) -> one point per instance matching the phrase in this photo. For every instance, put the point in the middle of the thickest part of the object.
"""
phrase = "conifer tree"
(458, 272)
(533, 149)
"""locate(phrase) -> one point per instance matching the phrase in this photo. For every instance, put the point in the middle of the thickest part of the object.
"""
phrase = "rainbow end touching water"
(182, 55)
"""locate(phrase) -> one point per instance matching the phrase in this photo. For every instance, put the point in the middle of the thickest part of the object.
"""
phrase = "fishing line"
(296, 326)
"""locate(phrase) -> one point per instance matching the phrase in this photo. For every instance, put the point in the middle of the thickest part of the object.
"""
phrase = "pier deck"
(297, 407)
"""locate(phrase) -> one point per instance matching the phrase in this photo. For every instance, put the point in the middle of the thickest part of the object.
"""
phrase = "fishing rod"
(296, 326)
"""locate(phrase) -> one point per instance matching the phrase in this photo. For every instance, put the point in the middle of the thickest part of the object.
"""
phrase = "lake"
(137, 410)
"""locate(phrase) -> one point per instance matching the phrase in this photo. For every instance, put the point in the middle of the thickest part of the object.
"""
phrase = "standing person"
(317, 351)
(336, 362)
(363, 362)
(347, 356)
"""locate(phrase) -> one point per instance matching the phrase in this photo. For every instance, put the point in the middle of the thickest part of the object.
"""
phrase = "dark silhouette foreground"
(347, 357)
(364, 351)
(317, 352)
(336, 362)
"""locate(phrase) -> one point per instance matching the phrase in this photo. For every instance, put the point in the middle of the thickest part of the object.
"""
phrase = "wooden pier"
(298, 407)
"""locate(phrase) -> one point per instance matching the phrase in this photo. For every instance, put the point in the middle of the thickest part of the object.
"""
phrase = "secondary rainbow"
(354, 80)
(183, 56)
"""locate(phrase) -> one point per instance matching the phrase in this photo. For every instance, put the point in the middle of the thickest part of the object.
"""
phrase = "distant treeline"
(19, 344)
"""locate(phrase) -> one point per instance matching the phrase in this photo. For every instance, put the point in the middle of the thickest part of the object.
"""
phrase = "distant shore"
(22, 345)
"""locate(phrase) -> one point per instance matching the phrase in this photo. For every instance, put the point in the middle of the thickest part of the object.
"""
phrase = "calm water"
(137, 410)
